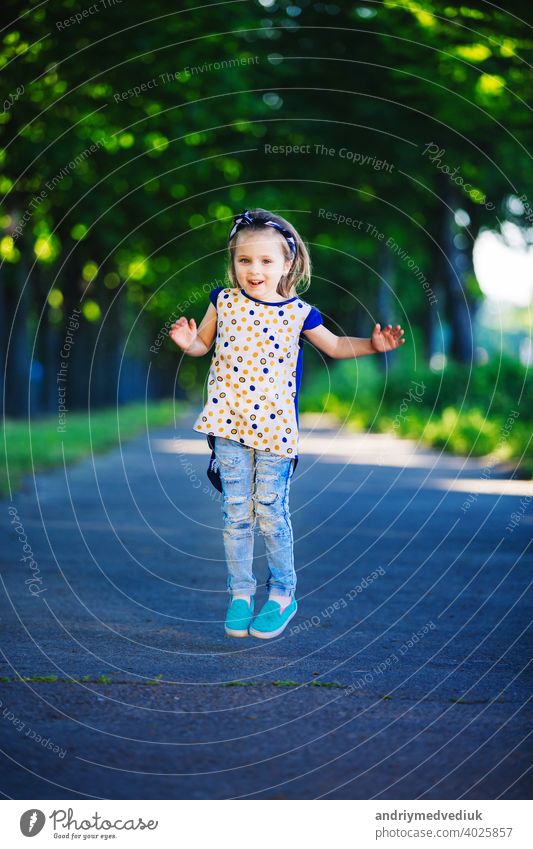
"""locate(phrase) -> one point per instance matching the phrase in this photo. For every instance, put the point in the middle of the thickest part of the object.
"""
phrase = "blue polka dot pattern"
(251, 395)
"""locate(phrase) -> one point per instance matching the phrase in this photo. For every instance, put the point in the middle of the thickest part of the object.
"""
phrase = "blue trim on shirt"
(268, 303)
(213, 295)
(313, 320)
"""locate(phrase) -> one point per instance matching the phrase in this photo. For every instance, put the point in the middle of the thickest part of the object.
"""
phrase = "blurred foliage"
(131, 135)
(485, 411)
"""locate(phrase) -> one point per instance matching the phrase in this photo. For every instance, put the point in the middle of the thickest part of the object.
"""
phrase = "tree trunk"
(455, 264)
(17, 348)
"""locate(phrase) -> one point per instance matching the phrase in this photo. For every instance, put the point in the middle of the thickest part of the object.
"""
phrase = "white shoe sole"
(263, 636)
(231, 633)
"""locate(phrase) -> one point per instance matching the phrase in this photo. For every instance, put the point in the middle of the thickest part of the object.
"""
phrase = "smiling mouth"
(257, 284)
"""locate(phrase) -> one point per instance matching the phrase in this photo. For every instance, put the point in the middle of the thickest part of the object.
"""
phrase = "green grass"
(41, 679)
(85, 679)
(459, 410)
(105, 679)
(156, 679)
(36, 445)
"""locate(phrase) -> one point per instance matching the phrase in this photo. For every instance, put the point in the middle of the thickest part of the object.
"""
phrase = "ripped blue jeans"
(255, 486)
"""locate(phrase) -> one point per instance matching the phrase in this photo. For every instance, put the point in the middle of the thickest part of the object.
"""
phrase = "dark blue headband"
(245, 219)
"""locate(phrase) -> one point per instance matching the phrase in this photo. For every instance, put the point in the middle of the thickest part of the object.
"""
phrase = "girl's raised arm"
(347, 347)
(195, 342)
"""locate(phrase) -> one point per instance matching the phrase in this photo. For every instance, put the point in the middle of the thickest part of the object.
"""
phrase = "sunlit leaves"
(126, 140)
(418, 10)
(196, 220)
(46, 248)
(91, 310)
(178, 190)
(220, 211)
(12, 37)
(472, 52)
(195, 139)
(231, 168)
(490, 85)
(89, 271)
(156, 143)
(137, 268)
(8, 251)
(78, 232)
(55, 298)
(508, 47)
(468, 12)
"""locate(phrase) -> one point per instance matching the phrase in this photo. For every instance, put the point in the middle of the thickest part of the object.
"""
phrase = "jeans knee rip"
(227, 480)
(267, 498)
(273, 533)
(238, 529)
(235, 499)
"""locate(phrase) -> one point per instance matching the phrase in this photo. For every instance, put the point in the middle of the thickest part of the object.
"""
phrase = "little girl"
(251, 413)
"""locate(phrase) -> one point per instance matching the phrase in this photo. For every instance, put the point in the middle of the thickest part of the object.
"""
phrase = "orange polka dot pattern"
(252, 379)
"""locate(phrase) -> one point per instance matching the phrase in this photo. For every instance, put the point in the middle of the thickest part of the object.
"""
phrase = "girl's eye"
(243, 260)
(267, 260)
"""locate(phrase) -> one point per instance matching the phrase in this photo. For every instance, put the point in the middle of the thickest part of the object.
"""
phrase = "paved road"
(403, 676)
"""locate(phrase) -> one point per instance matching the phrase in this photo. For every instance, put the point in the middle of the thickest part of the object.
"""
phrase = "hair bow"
(245, 219)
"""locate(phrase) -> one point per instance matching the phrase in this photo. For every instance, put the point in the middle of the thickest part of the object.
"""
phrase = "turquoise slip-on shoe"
(238, 617)
(270, 621)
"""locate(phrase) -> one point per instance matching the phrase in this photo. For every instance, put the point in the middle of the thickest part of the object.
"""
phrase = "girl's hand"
(387, 339)
(183, 332)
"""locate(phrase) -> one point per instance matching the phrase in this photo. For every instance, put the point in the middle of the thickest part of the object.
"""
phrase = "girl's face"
(259, 262)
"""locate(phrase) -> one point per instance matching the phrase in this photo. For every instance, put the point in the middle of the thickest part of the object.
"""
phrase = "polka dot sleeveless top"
(256, 371)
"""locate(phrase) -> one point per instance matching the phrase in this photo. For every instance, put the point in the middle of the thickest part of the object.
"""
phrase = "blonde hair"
(300, 271)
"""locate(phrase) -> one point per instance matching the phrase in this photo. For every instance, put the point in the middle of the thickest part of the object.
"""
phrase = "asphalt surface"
(404, 675)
